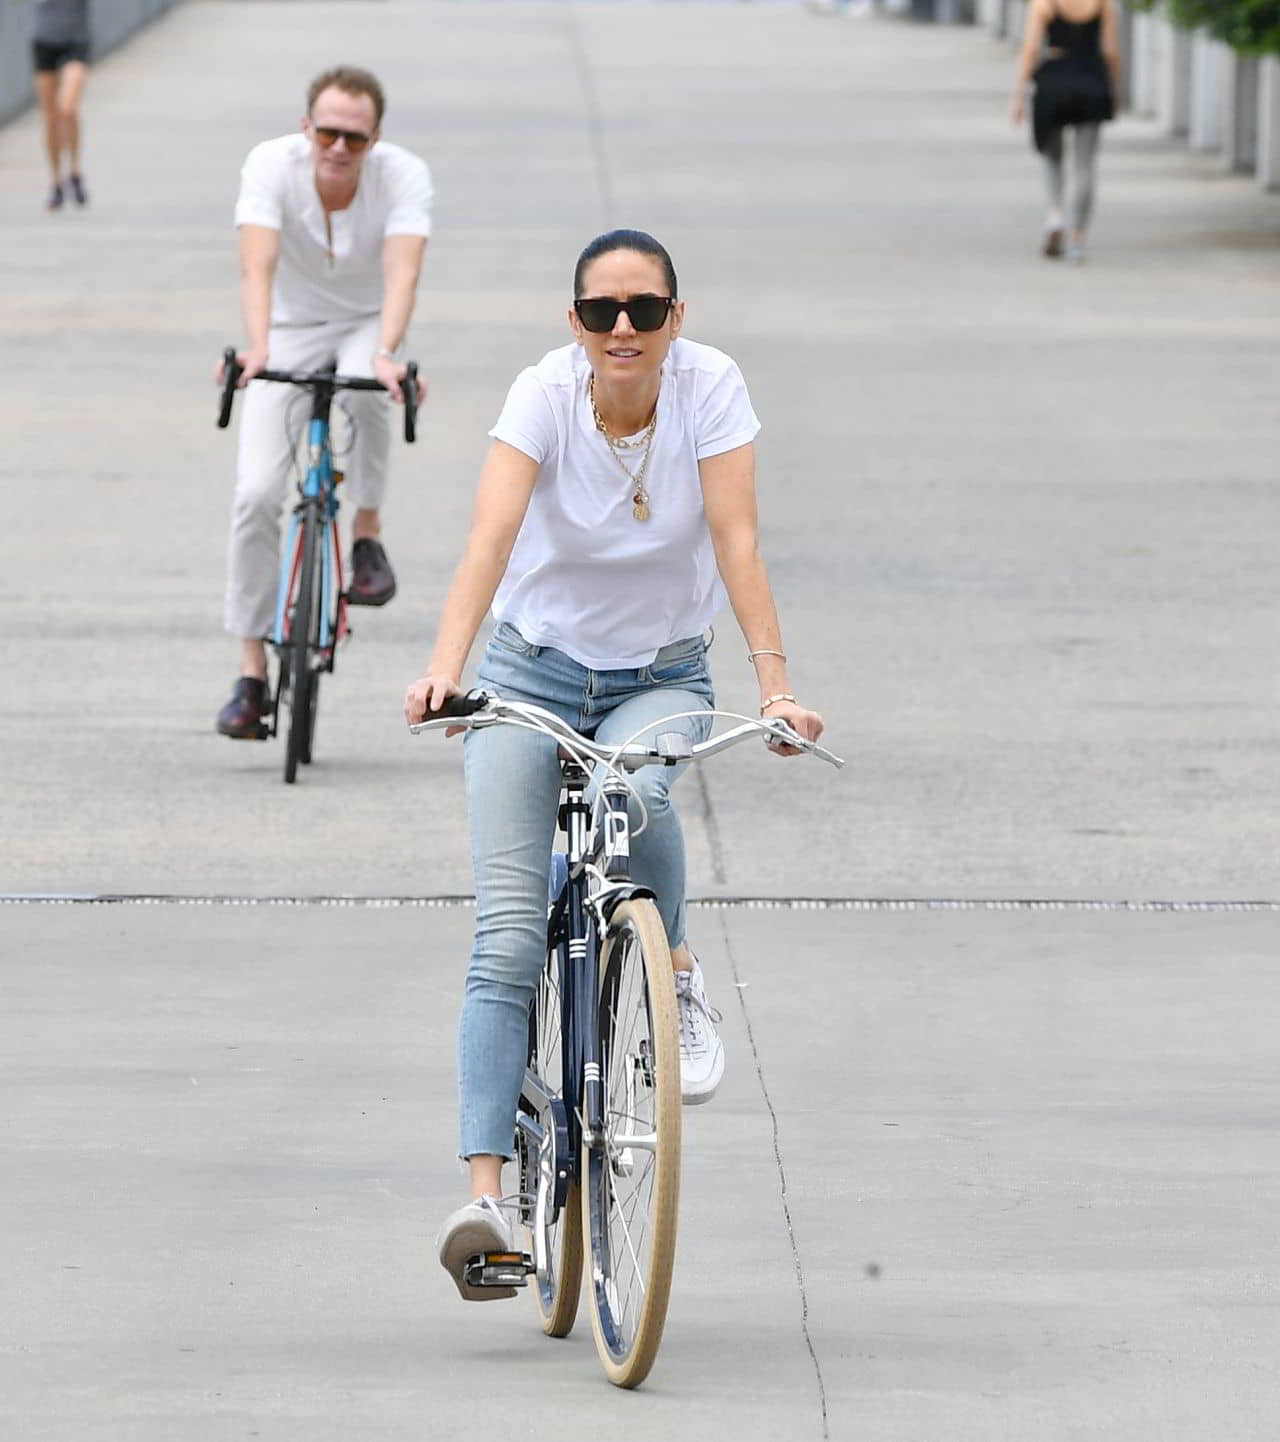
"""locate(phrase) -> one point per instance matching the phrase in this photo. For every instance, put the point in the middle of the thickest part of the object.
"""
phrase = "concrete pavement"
(1016, 1167)
(1020, 520)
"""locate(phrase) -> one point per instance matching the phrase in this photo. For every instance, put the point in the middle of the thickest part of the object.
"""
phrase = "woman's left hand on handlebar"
(808, 724)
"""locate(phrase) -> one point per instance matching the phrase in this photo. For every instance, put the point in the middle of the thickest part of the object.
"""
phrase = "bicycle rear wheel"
(304, 633)
(631, 1183)
(557, 1292)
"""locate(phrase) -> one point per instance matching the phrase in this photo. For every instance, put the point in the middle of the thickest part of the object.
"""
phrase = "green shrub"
(1250, 25)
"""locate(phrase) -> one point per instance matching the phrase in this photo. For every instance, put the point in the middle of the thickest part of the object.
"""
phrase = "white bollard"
(1015, 23)
(1209, 62)
(1173, 77)
(1269, 123)
(1143, 84)
(1240, 113)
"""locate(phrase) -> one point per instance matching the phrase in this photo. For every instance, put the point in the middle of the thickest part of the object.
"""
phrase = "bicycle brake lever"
(782, 733)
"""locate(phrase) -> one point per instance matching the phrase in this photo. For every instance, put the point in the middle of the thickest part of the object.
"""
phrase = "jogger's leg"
(1087, 142)
(71, 82)
(47, 94)
(1054, 175)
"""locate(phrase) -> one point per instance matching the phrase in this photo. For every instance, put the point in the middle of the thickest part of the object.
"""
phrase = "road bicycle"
(597, 1129)
(311, 599)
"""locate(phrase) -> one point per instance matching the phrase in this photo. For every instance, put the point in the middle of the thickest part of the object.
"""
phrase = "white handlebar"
(630, 756)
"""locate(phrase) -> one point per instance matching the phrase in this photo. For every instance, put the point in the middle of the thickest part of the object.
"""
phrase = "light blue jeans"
(513, 787)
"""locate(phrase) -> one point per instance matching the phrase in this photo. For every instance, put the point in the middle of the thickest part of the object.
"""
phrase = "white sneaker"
(701, 1050)
(480, 1226)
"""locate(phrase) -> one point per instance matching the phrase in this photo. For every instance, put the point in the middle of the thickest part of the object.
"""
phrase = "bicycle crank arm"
(498, 1269)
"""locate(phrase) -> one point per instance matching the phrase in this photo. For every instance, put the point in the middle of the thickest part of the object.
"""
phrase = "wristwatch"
(383, 351)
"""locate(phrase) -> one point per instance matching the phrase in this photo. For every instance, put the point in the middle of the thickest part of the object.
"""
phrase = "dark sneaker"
(55, 199)
(241, 717)
(78, 193)
(373, 582)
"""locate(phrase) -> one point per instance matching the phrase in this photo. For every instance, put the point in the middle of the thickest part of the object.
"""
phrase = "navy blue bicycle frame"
(573, 937)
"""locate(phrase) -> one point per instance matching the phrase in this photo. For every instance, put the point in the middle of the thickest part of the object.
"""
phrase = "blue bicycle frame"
(319, 486)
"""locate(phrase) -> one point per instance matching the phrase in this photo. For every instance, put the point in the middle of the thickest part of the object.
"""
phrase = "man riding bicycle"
(333, 225)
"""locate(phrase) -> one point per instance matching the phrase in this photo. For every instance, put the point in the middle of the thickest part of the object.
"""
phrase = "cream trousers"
(273, 420)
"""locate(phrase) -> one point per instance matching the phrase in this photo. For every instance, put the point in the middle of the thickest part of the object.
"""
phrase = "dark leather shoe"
(373, 582)
(241, 717)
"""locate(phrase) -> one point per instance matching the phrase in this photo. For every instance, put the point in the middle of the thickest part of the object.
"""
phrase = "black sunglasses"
(645, 312)
(327, 135)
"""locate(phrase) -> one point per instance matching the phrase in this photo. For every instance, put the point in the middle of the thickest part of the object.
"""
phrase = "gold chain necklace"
(639, 495)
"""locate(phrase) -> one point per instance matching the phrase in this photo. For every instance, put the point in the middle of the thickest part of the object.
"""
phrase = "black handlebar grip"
(409, 389)
(466, 705)
(230, 375)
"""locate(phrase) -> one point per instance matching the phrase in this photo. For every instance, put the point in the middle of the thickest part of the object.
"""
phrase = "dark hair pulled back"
(638, 240)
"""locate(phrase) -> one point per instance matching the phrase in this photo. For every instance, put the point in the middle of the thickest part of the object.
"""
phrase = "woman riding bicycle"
(615, 510)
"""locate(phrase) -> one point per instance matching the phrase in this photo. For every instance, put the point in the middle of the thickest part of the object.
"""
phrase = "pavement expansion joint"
(706, 903)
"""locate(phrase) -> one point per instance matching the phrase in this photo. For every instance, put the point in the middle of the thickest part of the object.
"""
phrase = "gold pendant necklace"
(639, 495)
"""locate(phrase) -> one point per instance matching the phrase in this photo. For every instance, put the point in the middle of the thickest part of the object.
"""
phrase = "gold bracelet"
(751, 655)
(770, 700)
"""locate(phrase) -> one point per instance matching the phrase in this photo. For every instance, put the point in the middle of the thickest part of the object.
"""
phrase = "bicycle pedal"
(498, 1269)
(262, 733)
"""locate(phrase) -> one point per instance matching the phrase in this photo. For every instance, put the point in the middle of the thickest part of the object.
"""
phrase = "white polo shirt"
(314, 283)
(585, 576)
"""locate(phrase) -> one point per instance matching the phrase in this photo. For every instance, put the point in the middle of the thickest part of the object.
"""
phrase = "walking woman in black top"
(60, 51)
(1069, 48)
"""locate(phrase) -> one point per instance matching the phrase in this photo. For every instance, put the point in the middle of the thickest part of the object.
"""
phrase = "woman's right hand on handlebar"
(427, 694)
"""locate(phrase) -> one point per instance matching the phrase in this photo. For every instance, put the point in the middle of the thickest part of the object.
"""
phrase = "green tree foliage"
(1250, 25)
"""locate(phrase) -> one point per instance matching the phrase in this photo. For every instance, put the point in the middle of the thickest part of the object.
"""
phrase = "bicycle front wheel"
(303, 622)
(631, 1178)
(313, 705)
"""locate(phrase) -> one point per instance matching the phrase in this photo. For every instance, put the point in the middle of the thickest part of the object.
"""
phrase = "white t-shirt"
(585, 576)
(313, 284)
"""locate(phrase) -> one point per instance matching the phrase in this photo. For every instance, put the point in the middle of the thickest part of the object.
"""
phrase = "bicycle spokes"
(633, 1167)
(554, 1212)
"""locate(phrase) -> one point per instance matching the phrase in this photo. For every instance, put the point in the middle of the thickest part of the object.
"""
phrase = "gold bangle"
(770, 700)
(764, 651)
